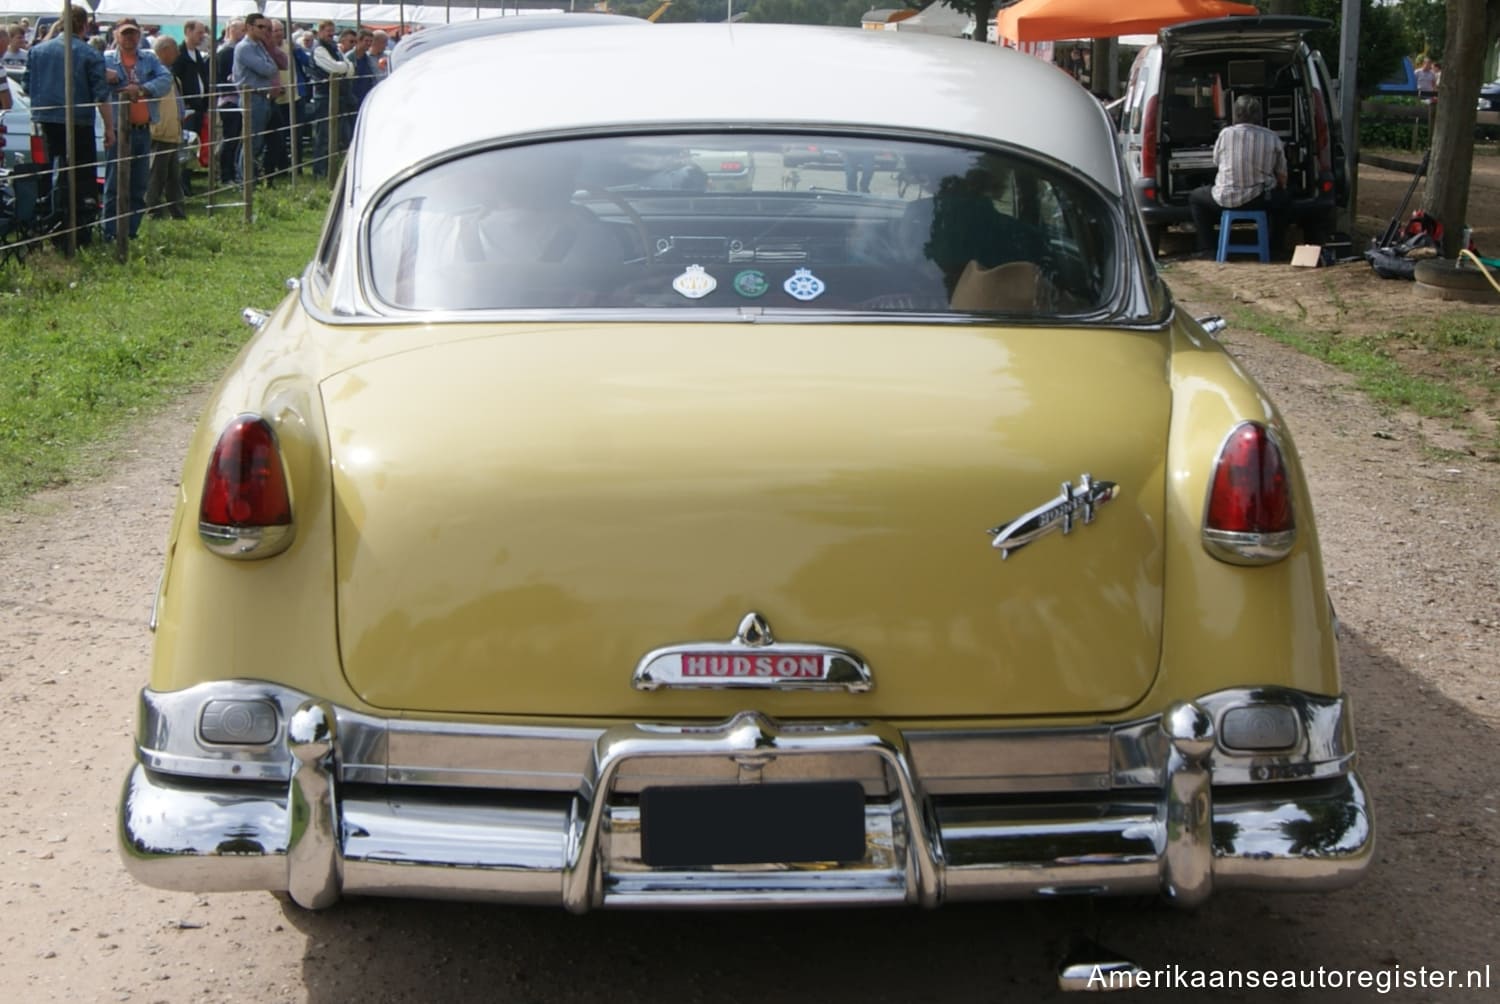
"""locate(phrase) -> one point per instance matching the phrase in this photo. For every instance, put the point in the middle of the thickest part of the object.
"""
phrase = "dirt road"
(1412, 552)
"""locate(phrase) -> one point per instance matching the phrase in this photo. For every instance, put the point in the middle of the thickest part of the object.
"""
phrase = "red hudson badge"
(753, 658)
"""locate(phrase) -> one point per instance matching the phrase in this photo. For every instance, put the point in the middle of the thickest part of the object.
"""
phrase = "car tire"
(1442, 273)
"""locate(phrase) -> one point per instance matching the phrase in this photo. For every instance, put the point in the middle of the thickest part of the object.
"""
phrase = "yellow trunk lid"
(521, 516)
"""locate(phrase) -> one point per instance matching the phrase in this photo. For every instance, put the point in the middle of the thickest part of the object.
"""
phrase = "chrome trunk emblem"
(752, 658)
(1058, 514)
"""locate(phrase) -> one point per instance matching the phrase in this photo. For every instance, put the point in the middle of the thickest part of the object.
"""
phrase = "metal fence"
(36, 213)
(294, 146)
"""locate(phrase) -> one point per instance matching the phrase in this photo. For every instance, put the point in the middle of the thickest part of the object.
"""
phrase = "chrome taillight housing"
(246, 508)
(1248, 518)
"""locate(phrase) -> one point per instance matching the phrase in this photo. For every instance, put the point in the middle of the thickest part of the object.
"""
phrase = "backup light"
(1259, 727)
(1248, 519)
(246, 509)
(238, 723)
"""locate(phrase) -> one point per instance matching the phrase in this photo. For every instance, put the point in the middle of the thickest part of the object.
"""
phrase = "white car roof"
(730, 75)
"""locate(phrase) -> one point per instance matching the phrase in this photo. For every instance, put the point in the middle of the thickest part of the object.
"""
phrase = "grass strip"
(88, 344)
(1375, 371)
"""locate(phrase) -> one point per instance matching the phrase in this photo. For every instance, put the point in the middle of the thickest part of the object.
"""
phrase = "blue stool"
(1262, 245)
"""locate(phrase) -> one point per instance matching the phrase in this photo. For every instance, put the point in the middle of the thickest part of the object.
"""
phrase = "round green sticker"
(751, 283)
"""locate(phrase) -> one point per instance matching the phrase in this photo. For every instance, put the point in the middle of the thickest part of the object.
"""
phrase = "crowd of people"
(150, 88)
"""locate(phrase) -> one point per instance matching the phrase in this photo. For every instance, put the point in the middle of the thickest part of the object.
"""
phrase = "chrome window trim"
(1123, 306)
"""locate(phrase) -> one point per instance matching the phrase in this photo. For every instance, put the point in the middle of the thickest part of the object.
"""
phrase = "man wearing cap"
(137, 79)
(45, 80)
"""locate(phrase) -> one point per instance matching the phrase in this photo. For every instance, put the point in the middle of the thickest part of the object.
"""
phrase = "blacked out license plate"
(695, 827)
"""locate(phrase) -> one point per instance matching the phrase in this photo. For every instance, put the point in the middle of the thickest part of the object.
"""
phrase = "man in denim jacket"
(137, 79)
(45, 80)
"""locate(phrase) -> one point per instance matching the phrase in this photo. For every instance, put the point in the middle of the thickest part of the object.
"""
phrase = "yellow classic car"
(571, 535)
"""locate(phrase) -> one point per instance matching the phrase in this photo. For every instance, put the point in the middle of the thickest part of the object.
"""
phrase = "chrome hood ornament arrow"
(1058, 514)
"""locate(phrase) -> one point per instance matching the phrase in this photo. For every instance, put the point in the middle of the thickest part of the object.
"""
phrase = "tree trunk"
(984, 15)
(1471, 27)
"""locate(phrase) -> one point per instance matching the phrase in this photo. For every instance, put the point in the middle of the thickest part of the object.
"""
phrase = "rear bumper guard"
(317, 838)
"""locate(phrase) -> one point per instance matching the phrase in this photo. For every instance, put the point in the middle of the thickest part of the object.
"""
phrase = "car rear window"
(794, 222)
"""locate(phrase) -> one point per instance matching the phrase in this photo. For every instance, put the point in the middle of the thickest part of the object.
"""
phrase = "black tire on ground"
(1449, 275)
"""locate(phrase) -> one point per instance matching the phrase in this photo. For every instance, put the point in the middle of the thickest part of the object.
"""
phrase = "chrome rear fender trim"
(559, 758)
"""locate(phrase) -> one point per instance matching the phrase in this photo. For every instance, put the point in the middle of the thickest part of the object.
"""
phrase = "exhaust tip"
(1089, 967)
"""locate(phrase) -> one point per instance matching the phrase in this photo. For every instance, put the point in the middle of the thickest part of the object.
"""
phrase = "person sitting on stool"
(1252, 175)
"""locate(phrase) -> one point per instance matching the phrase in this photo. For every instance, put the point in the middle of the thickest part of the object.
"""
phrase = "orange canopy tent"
(1050, 20)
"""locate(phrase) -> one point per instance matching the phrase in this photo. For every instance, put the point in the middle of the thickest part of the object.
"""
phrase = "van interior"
(1198, 93)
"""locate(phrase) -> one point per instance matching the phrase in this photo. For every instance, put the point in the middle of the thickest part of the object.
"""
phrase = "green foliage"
(1382, 39)
(1369, 360)
(1425, 26)
(88, 344)
(982, 11)
(1394, 133)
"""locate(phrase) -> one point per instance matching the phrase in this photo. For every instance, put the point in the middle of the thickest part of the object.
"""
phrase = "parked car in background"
(813, 155)
(1402, 82)
(566, 538)
(1180, 92)
(1487, 121)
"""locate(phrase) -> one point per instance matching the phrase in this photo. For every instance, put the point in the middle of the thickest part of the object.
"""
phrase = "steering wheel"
(649, 257)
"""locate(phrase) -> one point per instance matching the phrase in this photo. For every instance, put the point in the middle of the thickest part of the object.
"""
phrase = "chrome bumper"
(315, 816)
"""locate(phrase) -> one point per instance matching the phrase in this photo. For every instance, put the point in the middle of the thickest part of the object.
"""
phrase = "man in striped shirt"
(1252, 175)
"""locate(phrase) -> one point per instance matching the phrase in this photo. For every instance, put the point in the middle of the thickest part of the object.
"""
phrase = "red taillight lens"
(731, 165)
(1320, 130)
(39, 149)
(1149, 139)
(1249, 517)
(246, 509)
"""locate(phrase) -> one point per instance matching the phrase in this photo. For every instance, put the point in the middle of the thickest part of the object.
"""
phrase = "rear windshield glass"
(791, 222)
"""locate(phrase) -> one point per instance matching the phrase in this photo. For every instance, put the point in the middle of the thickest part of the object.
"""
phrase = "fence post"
(247, 154)
(295, 154)
(121, 208)
(335, 128)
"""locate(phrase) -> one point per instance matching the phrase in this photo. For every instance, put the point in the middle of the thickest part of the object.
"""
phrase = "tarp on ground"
(1051, 20)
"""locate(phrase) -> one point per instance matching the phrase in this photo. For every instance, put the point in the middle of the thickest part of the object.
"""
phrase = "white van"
(1179, 96)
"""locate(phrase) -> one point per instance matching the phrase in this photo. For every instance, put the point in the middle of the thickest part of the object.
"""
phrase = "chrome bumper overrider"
(345, 803)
